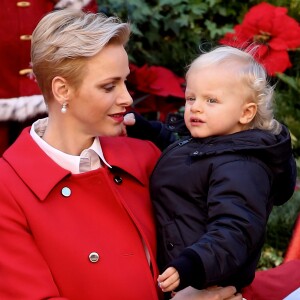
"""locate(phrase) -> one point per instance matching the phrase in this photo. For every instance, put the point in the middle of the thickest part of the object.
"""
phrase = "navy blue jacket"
(212, 198)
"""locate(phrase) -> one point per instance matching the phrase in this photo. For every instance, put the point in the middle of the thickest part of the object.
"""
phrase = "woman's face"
(97, 106)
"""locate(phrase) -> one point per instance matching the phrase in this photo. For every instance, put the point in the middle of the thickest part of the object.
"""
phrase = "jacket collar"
(41, 174)
(120, 153)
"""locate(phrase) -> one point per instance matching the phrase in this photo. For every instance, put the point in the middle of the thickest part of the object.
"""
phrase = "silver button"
(66, 192)
(94, 257)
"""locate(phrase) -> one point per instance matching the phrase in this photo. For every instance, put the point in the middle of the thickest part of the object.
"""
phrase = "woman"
(75, 215)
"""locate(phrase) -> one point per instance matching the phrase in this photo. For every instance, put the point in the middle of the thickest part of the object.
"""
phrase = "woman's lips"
(119, 117)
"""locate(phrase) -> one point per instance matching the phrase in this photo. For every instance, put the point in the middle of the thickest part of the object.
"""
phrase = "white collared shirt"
(66, 161)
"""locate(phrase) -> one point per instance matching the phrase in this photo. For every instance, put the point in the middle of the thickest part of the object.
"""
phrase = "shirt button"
(94, 257)
(23, 4)
(170, 246)
(66, 192)
(118, 179)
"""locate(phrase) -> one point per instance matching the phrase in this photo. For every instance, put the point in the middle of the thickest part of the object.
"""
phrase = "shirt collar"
(64, 160)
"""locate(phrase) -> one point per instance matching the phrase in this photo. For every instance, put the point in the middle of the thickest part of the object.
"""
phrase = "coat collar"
(121, 152)
(41, 174)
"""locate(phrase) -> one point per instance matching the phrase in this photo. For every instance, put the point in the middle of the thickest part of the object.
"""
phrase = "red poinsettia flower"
(272, 30)
(155, 80)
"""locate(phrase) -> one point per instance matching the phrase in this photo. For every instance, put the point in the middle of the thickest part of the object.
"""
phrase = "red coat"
(47, 235)
(293, 250)
(276, 283)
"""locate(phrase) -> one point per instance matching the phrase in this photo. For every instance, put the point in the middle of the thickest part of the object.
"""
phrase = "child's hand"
(129, 120)
(168, 280)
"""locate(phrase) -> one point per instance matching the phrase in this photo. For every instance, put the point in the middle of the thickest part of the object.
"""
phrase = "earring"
(64, 108)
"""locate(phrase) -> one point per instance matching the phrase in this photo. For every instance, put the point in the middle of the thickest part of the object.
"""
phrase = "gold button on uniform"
(25, 37)
(23, 3)
(25, 71)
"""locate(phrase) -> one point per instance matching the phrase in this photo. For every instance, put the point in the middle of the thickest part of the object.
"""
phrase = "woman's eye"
(109, 88)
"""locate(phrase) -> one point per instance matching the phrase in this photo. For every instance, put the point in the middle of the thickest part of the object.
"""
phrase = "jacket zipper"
(171, 148)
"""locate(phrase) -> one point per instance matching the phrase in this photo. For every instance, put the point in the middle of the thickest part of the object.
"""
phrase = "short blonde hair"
(64, 39)
(253, 74)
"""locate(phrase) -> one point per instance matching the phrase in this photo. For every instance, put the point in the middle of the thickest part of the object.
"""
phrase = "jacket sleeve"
(275, 283)
(154, 131)
(24, 273)
(238, 209)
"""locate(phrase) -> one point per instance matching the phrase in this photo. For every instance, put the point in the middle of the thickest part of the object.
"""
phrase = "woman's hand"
(212, 293)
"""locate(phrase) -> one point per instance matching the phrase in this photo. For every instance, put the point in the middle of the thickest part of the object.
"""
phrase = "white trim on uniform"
(21, 108)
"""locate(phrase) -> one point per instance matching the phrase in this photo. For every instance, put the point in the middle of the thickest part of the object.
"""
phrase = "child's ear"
(60, 89)
(249, 112)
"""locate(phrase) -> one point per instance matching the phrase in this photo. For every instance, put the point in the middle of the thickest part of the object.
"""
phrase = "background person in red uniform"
(20, 97)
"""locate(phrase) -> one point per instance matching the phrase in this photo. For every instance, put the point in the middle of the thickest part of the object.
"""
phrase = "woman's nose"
(126, 98)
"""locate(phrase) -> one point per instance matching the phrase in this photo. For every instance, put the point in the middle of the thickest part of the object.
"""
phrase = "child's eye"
(212, 100)
(190, 99)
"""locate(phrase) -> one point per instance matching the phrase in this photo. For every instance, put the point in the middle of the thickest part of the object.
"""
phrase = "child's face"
(216, 100)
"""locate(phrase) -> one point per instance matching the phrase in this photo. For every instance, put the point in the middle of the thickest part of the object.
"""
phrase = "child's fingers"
(170, 283)
(171, 287)
(166, 274)
(129, 119)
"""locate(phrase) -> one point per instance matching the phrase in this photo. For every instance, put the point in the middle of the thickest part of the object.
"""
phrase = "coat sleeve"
(238, 210)
(154, 131)
(275, 283)
(24, 273)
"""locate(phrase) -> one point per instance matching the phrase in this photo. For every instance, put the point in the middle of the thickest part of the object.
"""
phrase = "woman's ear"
(60, 90)
(249, 112)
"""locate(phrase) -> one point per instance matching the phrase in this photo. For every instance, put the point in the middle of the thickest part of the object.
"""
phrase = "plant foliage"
(279, 232)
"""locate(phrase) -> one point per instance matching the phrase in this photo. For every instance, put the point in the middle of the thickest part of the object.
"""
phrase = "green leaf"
(172, 2)
(291, 81)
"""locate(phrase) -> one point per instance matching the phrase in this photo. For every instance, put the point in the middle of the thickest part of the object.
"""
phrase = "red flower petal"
(156, 80)
(273, 30)
(275, 61)
(289, 32)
